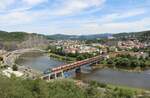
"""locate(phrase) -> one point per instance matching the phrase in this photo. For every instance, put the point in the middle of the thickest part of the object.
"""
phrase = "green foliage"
(78, 56)
(15, 67)
(12, 36)
(101, 90)
(97, 84)
(127, 61)
(143, 36)
(122, 93)
(19, 88)
(76, 37)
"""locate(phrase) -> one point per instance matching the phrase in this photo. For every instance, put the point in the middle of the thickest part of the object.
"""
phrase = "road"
(10, 57)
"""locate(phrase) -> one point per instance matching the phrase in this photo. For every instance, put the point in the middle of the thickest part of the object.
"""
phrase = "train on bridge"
(58, 72)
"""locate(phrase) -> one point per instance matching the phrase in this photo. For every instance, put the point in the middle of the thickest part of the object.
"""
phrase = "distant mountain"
(78, 37)
(142, 36)
(23, 36)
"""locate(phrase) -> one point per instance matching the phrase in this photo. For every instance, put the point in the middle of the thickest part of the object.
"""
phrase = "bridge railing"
(76, 64)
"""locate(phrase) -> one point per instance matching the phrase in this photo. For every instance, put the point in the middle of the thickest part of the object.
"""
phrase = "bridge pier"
(78, 71)
(56, 75)
(95, 63)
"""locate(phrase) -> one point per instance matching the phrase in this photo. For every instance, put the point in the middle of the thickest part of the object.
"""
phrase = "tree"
(14, 67)
(135, 63)
(123, 62)
(80, 57)
(109, 61)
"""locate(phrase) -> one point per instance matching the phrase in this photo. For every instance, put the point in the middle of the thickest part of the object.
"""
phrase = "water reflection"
(134, 79)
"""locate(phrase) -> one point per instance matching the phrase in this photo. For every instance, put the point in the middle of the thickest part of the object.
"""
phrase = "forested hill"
(16, 36)
(78, 37)
(21, 36)
(143, 35)
(15, 40)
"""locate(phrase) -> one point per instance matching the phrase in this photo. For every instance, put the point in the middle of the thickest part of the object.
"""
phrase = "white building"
(8, 72)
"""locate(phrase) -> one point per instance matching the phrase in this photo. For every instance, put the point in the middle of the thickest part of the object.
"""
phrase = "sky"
(77, 17)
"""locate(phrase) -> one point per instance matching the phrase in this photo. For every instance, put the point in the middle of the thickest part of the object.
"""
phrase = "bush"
(18, 88)
(15, 68)
(98, 84)
(127, 61)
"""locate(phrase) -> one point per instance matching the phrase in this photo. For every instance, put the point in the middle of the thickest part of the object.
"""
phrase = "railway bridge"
(58, 72)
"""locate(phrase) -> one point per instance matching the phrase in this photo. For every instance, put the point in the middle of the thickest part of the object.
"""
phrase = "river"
(41, 62)
(38, 61)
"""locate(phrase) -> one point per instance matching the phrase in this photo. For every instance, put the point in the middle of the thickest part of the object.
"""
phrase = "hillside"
(78, 37)
(12, 36)
(142, 36)
(15, 40)
(19, 88)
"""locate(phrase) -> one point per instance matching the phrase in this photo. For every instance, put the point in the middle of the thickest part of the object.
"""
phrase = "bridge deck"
(75, 64)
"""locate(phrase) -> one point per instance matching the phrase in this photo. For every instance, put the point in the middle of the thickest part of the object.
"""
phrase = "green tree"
(15, 67)
(80, 57)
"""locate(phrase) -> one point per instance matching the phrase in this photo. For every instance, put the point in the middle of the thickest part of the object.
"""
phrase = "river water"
(41, 62)
(38, 61)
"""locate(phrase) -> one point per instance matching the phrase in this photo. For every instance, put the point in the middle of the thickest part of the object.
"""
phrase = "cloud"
(113, 22)
(7, 6)
(77, 16)
(15, 18)
(106, 18)
(5, 3)
(34, 2)
(116, 27)
(74, 6)
(123, 15)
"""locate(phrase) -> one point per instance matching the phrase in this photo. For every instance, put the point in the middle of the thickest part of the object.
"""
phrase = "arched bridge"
(58, 72)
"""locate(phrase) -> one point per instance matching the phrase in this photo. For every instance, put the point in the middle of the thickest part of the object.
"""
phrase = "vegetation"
(146, 50)
(128, 61)
(18, 88)
(14, 67)
(62, 58)
(58, 53)
(16, 40)
(12, 36)
(78, 37)
(143, 36)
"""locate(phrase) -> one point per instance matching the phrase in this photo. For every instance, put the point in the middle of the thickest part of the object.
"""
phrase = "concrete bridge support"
(78, 71)
(56, 75)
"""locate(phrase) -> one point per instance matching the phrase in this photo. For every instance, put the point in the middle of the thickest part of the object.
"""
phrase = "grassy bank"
(62, 58)
(19, 88)
(140, 93)
(117, 91)
(129, 69)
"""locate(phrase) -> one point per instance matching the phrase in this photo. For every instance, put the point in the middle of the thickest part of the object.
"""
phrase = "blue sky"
(75, 16)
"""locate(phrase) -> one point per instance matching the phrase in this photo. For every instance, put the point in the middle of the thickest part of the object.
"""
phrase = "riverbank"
(115, 89)
(63, 88)
(62, 58)
(137, 69)
(138, 91)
